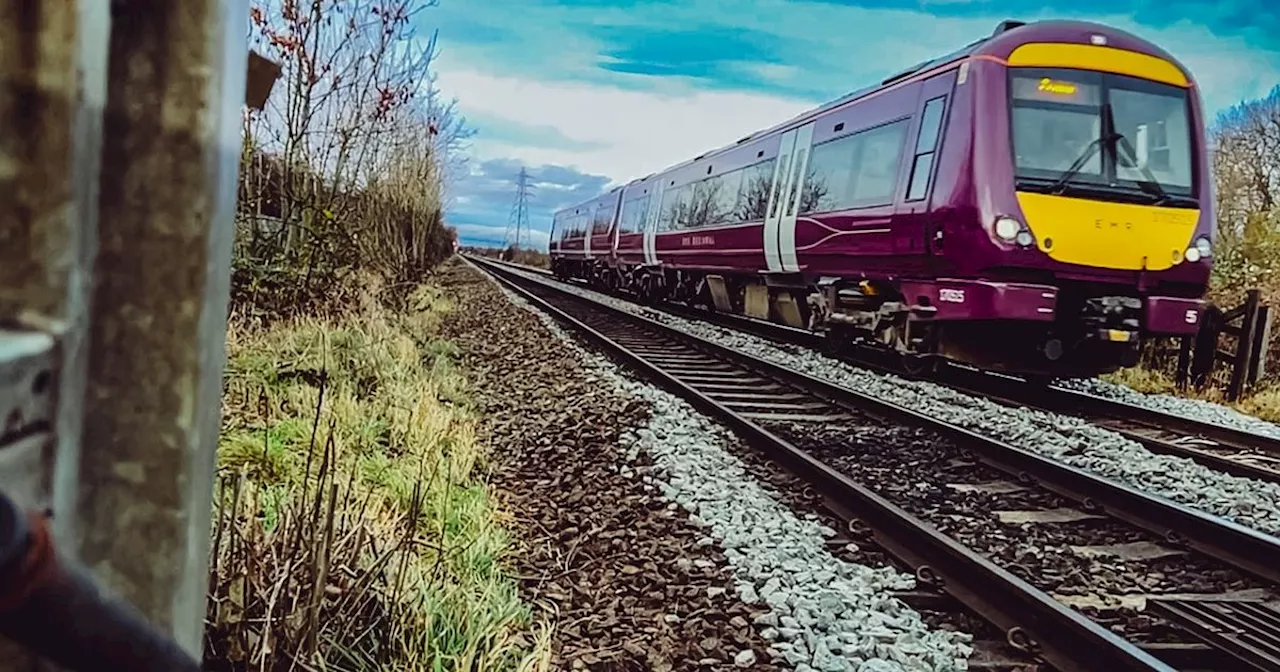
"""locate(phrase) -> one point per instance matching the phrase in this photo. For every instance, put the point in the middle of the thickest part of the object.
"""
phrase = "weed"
(354, 529)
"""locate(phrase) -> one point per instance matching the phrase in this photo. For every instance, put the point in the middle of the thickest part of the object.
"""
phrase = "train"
(1037, 203)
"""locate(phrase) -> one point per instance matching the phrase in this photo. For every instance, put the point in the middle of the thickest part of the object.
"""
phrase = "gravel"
(1193, 409)
(614, 566)
(824, 613)
(1081, 562)
(1068, 439)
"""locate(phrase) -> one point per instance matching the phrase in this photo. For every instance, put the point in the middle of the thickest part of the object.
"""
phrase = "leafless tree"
(1246, 171)
(353, 152)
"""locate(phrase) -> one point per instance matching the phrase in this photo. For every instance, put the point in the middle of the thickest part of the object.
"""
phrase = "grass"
(1262, 401)
(354, 529)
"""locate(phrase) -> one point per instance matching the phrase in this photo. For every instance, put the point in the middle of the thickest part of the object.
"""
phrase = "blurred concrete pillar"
(52, 92)
(170, 157)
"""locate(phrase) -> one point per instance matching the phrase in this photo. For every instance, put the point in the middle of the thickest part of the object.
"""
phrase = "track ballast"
(933, 486)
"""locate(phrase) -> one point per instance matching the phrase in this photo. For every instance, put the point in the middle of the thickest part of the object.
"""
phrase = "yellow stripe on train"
(1108, 235)
(1102, 59)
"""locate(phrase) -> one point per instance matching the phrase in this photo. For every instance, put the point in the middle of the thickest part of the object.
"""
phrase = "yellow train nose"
(1121, 236)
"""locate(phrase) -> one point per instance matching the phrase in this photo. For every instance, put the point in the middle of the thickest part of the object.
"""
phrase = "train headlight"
(1007, 228)
(1025, 238)
(1204, 246)
(1193, 254)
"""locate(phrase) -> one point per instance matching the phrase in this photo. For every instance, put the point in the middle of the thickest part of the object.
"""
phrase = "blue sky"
(588, 93)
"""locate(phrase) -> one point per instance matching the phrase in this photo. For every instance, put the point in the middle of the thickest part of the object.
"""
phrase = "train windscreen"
(1090, 130)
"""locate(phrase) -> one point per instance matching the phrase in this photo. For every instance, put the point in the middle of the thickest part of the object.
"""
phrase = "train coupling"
(1112, 319)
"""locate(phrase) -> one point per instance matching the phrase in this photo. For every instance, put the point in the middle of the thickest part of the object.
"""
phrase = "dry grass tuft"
(354, 529)
(1262, 401)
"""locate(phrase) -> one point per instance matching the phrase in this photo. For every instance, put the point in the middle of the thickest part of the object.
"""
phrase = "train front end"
(1097, 203)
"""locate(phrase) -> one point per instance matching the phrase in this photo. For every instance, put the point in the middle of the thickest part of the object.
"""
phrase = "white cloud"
(640, 132)
(626, 133)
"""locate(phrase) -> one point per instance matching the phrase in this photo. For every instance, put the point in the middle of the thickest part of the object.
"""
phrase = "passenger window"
(926, 148)
(671, 210)
(702, 197)
(684, 207)
(757, 182)
(600, 225)
(920, 177)
(633, 216)
(930, 124)
(854, 171)
(735, 197)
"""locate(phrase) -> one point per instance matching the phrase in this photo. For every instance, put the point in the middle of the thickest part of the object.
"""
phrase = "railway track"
(800, 422)
(1226, 449)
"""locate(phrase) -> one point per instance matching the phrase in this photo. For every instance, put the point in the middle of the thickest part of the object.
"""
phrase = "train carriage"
(1037, 202)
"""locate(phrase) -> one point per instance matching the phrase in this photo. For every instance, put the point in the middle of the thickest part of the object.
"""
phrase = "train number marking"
(1192, 316)
(951, 295)
(690, 241)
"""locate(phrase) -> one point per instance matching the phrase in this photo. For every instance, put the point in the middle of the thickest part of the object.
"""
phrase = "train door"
(914, 225)
(784, 200)
(651, 224)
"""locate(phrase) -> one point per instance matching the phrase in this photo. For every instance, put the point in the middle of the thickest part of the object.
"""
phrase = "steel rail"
(1249, 550)
(1017, 392)
(1032, 619)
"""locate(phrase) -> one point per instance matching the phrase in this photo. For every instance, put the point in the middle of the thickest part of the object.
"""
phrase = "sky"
(587, 94)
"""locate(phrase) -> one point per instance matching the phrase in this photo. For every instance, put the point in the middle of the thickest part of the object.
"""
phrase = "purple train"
(1038, 202)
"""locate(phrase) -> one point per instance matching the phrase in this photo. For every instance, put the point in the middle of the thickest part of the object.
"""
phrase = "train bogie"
(1037, 202)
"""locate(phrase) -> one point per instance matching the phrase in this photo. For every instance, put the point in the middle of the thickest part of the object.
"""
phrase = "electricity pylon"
(518, 222)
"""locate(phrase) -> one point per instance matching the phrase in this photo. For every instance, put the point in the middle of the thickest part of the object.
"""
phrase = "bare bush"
(1246, 174)
(347, 167)
(1246, 170)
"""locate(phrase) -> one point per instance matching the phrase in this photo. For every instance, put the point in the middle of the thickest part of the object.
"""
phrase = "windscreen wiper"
(1150, 184)
(1059, 186)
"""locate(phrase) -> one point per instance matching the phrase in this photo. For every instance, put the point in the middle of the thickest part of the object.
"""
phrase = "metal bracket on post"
(28, 378)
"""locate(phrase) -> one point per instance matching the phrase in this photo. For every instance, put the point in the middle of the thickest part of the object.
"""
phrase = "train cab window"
(926, 148)
(1154, 122)
(1060, 116)
(854, 171)
(1056, 116)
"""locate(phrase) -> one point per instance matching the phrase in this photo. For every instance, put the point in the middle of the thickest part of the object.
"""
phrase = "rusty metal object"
(261, 78)
(55, 610)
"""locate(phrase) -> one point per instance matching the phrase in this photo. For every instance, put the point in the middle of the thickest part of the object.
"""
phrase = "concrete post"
(170, 159)
(52, 92)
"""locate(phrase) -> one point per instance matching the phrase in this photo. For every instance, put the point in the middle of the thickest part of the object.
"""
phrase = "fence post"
(1205, 351)
(171, 153)
(1261, 344)
(1244, 346)
(1184, 361)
